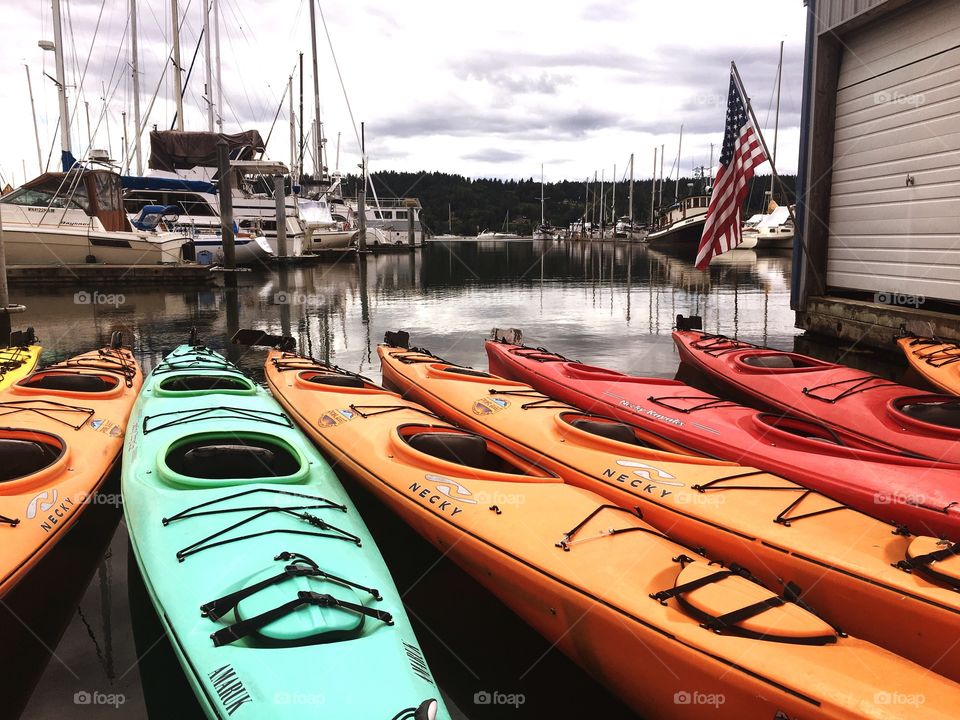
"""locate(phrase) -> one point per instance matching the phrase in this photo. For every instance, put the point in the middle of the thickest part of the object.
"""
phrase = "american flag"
(741, 153)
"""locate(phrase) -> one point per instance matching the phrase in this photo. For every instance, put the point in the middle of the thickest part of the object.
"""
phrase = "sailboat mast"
(318, 141)
(663, 147)
(293, 134)
(630, 200)
(541, 195)
(776, 121)
(676, 185)
(450, 218)
(613, 197)
(177, 78)
(207, 63)
(216, 49)
(65, 146)
(135, 76)
(603, 214)
(33, 110)
(300, 120)
(653, 189)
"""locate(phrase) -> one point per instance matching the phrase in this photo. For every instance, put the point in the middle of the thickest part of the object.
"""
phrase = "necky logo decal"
(643, 477)
(444, 487)
(43, 503)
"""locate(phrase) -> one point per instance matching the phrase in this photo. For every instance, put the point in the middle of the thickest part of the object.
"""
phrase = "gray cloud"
(607, 11)
(493, 155)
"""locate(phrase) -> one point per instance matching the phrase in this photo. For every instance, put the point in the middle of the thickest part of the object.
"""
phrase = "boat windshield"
(51, 191)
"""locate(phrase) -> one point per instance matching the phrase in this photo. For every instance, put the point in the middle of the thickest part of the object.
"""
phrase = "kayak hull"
(578, 570)
(921, 495)
(63, 437)
(938, 362)
(225, 498)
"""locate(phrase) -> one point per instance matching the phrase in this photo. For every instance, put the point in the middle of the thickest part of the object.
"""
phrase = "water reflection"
(611, 304)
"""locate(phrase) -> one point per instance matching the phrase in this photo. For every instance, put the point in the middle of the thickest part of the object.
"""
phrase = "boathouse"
(879, 171)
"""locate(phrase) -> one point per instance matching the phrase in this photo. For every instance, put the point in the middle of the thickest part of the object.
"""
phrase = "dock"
(110, 275)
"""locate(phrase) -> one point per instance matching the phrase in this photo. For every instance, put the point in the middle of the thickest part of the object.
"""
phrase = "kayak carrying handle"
(567, 539)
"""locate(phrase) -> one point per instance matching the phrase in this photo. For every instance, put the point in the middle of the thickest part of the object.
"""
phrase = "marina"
(320, 401)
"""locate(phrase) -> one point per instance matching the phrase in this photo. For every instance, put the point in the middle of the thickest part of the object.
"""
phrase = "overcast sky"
(488, 89)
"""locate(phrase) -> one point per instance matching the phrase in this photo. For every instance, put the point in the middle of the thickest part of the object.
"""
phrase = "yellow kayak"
(18, 362)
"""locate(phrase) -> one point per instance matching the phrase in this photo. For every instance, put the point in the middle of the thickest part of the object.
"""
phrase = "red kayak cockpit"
(930, 413)
(772, 361)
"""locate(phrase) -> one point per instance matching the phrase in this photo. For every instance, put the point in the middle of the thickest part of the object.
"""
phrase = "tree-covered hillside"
(483, 204)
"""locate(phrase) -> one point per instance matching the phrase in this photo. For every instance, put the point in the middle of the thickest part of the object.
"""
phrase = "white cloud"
(479, 90)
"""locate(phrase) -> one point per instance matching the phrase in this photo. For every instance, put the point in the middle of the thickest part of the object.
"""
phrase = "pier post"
(411, 229)
(279, 195)
(362, 197)
(225, 193)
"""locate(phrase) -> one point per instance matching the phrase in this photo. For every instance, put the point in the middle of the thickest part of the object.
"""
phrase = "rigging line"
(86, 65)
(109, 98)
(336, 65)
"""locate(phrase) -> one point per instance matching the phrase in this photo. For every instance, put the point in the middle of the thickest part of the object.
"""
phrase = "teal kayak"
(268, 583)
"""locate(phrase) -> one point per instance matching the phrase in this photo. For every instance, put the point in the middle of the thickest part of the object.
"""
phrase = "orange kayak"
(937, 361)
(857, 571)
(62, 435)
(670, 633)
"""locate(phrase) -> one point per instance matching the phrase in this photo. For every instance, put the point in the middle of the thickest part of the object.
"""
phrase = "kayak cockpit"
(70, 381)
(25, 453)
(194, 383)
(940, 411)
(603, 428)
(447, 446)
(773, 361)
(231, 458)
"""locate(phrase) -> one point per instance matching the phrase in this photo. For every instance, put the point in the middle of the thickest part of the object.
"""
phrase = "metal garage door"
(895, 196)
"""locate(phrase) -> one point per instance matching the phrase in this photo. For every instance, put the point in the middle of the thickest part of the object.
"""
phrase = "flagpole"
(763, 144)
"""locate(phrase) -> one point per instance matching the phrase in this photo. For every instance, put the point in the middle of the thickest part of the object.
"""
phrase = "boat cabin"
(684, 209)
(97, 192)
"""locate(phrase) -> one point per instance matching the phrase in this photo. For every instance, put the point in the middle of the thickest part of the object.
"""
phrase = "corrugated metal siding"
(833, 13)
(898, 115)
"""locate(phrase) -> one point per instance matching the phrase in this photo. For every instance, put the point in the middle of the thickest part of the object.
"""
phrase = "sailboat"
(504, 235)
(544, 231)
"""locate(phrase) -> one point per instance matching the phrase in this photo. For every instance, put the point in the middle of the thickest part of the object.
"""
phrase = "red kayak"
(897, 417)
(918, 494)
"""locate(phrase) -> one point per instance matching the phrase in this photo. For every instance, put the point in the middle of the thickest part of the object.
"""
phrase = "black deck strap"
(542, 402)
(676, 590)
(215, 609)
(731, 619)
(923, 565)
(47, 408)
(424, 711)
(564, 543)
(793, 593)
(367, 411)
(714, 484)
(709, 402)
(189, 512)
(185, 417)
(784, 518)
(12, 522)
(419, 356)
(249, 626)
(856, 385)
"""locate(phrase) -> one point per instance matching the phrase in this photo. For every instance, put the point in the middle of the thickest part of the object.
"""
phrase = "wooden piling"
(225, 194)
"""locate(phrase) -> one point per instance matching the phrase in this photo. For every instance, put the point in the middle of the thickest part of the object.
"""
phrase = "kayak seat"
(459, 448)
(348, 381)
(467, 371)
(610, 430)
(772, 362)
(70, 382)
(195, 383)
(945, 414)
(19, 458)
(231, 458)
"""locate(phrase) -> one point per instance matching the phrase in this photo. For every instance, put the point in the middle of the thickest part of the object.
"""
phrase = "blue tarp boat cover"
(135, 182)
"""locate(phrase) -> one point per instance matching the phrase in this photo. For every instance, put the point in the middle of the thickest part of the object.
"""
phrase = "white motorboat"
(772, 231)
(322, 229)
(78, 217)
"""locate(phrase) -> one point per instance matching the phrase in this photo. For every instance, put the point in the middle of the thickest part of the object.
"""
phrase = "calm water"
(82, 624)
